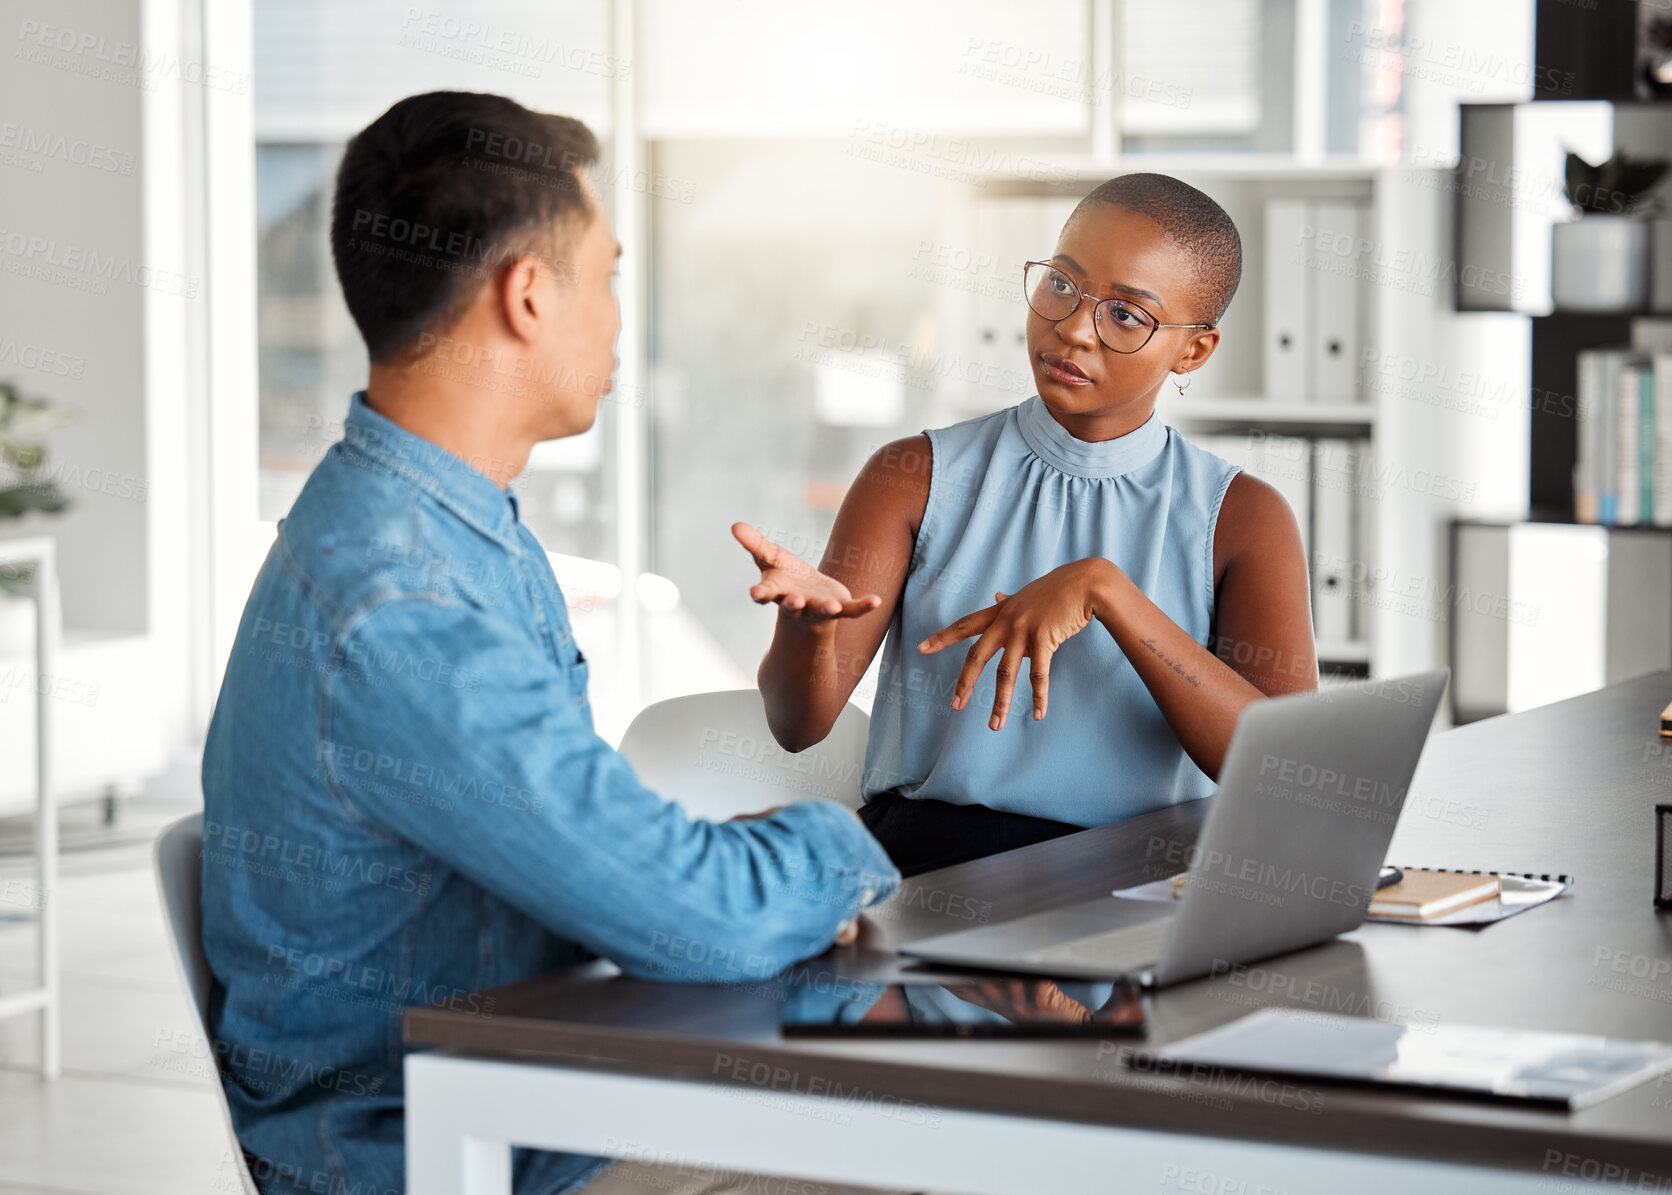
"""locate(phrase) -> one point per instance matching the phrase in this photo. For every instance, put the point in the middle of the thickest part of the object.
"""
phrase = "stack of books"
(1622, 475)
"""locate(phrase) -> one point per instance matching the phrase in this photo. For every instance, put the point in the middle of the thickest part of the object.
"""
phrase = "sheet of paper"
(1518, 896)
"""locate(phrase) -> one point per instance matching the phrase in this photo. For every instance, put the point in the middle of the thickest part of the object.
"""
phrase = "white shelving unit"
(40, 557)
(1273, 413)
(1220, 408)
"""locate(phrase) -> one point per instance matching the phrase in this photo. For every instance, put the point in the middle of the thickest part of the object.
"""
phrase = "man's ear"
(519, 299)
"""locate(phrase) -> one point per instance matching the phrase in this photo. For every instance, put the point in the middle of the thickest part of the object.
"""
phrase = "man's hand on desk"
(849, 933)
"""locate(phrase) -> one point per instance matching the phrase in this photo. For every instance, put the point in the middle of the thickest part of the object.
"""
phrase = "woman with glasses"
(979, 556)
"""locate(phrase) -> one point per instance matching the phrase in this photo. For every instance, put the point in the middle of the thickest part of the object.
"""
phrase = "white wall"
(330, 68)
(92, 128)
(1463, 52)
(66, 212)
(1454, 444)
(913, 69)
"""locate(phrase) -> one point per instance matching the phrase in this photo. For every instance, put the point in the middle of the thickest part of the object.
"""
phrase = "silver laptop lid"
(1309, 795)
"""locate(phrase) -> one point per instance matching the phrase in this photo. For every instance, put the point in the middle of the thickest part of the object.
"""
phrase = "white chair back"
(178, 858)
(713, 754)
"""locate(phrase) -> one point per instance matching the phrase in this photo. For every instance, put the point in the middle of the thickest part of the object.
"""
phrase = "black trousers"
(922, 835)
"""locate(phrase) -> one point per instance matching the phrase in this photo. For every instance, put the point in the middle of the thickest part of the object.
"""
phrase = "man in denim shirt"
(405, 800)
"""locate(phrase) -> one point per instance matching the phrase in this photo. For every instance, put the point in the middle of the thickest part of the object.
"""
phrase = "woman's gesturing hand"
(1030, 623)
(799, 589)
(1023, 1000)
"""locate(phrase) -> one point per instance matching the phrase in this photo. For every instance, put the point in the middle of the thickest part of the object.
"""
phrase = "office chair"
(177, 858)
(713, 754)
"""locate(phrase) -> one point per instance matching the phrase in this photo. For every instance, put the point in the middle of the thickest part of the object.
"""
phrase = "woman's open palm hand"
(799, 589)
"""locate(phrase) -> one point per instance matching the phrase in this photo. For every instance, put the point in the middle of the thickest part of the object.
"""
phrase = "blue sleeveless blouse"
(1012, 495)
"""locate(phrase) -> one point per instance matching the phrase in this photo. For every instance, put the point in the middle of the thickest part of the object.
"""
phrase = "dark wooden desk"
(1568, 787)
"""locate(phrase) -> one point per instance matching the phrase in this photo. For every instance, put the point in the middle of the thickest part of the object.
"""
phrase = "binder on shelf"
(1596, 465)
(1336, 303)
(1007, 229)
(1335, 465)
(1627, 487)
(1287, 300)
(1646, 441)
(1283, 462)
(1587, 486)
(1362, 583)
(1607, 453)
(1661, 470)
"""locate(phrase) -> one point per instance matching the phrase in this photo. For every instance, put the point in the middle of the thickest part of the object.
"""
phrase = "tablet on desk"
(997, 1007)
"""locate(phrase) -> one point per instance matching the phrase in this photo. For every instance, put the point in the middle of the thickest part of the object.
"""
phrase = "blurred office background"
(824, 211)
(826, 220)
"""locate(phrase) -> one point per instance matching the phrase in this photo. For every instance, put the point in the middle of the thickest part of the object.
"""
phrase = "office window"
(1232, 86)
(1227, 87)
(795, 328)
(325, 69)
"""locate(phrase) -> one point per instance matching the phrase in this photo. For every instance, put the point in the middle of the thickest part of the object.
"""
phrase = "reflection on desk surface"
(999, 1006)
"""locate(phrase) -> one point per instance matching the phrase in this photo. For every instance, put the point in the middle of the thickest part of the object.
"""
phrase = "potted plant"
(1600, 260)
(24, 489)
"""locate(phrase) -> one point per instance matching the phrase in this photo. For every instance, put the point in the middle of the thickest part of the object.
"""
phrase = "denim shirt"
(405, 803)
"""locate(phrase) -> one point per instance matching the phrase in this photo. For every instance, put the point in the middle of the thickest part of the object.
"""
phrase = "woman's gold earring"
(1183, 384)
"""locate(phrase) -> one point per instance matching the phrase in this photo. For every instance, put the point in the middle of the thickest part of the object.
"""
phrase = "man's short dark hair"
(1195, 223)
(436, 194)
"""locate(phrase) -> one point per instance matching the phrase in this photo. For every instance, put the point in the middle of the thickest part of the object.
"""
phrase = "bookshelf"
(1598, 598)
(1590, 95)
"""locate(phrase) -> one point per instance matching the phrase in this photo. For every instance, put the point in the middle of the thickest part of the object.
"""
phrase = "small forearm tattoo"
(1177, 667)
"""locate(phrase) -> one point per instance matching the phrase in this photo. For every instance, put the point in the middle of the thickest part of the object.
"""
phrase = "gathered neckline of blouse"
(1061, 449)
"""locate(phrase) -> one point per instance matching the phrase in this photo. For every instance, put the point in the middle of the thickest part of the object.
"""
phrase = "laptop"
(1308, 798)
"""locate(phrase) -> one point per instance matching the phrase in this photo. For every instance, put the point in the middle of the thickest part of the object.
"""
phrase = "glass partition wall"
(325, 69)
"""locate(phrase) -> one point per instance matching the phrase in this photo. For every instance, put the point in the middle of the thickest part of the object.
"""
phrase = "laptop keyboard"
(1130, 946)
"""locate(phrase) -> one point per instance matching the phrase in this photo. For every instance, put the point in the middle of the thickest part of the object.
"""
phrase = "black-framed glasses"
(1121, 324)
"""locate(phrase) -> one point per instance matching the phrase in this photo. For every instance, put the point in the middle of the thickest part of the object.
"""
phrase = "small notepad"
(1518, 891)
(1423, 894)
